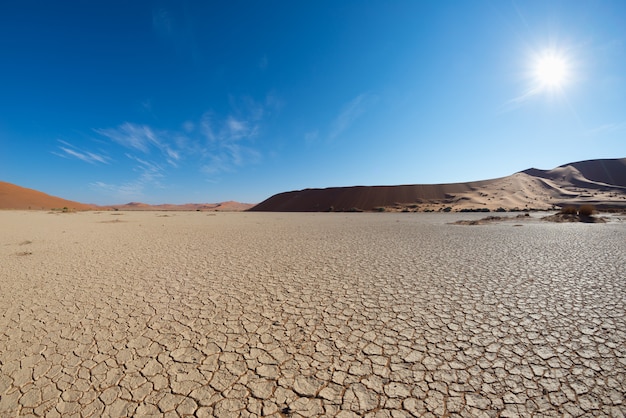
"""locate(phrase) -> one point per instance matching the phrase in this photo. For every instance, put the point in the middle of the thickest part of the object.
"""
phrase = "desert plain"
(310, 314)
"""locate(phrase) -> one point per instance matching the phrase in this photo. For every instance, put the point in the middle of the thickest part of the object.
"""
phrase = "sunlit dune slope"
(16, 197)
(598, 182)
(609, 173)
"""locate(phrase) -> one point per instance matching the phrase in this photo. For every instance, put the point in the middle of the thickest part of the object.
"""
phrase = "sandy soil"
(266, 314)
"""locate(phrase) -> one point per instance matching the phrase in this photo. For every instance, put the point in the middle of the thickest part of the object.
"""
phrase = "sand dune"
(608, 172)
(229, 206)
(598, 182)
(16, 197)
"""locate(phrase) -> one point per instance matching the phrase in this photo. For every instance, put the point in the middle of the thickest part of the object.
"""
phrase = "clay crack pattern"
(302, 315)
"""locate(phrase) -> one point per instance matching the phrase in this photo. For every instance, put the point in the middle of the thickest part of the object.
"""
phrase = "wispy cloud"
(229, 140)
(607, 128)
(126, 192)
(130, 135)
(227, 145)
(520, 100)
(68, 150)
(147, 156)
(142, 138)
(350, 113)
(149, 171)
(149, 175)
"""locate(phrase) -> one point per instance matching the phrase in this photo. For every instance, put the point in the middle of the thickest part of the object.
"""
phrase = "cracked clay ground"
(267, 314)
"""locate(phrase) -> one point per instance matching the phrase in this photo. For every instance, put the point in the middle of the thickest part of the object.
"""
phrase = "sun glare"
(551, 70)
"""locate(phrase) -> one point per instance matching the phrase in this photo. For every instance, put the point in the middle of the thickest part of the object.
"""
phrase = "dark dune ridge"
(599, 182)
(361, 197)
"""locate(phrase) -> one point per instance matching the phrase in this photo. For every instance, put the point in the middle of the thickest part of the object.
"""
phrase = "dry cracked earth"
(291, 315)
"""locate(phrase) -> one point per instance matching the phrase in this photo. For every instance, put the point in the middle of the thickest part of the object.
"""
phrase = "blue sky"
(171, 102)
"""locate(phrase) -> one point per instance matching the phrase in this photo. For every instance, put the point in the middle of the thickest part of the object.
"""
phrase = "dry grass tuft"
(569, 210)
(586, 210)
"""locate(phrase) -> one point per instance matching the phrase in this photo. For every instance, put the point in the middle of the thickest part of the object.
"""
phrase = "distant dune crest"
(601, 183)
(16, 197)
(598, 182)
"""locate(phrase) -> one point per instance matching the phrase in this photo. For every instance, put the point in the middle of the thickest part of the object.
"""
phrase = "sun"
(551, 70)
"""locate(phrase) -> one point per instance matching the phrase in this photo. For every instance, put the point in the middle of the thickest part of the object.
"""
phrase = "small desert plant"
(379, 209)
(586, 210)
(568, 210)
(447, 209)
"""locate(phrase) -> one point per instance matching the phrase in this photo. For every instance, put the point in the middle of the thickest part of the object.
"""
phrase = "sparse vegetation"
(572, 214)
(475, 210)
(586, 210)
(583, 210)
(568, 210)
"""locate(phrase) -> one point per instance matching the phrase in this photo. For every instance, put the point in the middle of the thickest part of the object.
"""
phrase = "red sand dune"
(229, 206)
(598, 182)
(16, 197)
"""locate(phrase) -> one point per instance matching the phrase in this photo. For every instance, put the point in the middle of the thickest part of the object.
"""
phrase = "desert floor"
(252, 314)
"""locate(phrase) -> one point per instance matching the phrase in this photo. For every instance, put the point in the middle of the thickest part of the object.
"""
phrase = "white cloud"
(228, 139)
(70, 151)
(217, 163)
(212, 145)
(236, 129)
(520, 100)
(130, 135)
(350, 113)
(189, 126)
(149, 175)
(126, 191)
(607, 128)
(142, 138)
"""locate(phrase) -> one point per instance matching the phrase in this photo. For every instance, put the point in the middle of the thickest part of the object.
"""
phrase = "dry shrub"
(569, 210)
(586, 210)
